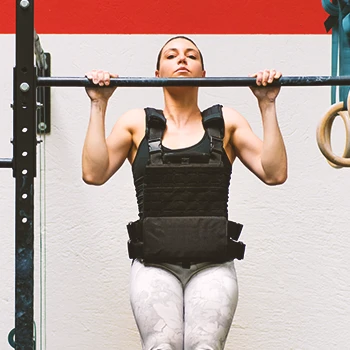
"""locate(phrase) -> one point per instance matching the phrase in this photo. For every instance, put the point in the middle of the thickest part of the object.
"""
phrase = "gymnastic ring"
(11, 338)
(323, 135)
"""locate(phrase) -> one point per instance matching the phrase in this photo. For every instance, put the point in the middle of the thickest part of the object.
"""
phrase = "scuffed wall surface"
(294, 283)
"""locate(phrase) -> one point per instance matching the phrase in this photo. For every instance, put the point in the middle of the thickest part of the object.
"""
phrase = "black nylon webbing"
(155, 126)
(212, 122)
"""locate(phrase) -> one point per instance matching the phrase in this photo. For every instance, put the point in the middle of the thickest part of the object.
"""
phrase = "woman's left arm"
(266, 158)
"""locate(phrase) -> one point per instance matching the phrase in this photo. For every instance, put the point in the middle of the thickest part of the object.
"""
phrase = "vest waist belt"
(185, 239)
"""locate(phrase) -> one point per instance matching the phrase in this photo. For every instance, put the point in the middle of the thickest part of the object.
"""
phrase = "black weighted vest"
(185, 195)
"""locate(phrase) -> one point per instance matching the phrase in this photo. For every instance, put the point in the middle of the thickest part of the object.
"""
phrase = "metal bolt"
(24, 4)
(24, 87)
(42, 126)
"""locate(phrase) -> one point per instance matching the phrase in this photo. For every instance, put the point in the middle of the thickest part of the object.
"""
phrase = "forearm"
(95, 160)
(273, 156)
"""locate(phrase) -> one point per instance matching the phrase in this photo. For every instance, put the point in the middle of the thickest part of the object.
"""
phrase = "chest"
(175, 138)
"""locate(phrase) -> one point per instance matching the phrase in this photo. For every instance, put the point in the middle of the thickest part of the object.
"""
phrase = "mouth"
(182, 69)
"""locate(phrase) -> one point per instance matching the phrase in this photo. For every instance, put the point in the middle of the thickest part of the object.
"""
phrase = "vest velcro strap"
(212, 114)
(157, 121)
(135, 249)
(236, 249)
(135, 230)
(213, 121)
(135, 243)
(234, 230)
(214, 117)
(155, 118)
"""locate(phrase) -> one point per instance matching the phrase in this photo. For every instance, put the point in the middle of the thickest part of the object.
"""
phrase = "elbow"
(276, 180)
(90, 179)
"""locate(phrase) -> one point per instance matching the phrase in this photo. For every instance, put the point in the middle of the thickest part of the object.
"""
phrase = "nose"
(182, 58)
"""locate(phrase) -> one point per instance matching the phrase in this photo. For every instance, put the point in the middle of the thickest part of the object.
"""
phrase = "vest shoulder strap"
(155, 126)
(213, 123)
(213, 116)
(154, 119)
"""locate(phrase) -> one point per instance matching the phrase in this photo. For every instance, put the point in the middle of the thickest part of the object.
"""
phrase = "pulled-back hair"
(179, 37)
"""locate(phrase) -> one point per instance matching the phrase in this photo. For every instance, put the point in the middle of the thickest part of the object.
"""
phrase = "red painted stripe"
(169, 17)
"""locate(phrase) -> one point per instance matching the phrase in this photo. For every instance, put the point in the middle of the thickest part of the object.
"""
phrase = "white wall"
(294, 280)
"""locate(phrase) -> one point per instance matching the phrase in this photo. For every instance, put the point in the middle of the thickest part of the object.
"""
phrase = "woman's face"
(180, 58)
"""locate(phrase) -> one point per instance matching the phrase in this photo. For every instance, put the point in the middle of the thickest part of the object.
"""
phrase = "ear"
(156, 73)
(204, 73)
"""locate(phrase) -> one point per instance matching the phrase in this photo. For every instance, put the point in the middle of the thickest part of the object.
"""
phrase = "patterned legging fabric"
(183, 309)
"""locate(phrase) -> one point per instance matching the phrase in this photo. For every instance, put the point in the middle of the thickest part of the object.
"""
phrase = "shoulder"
(233, 119)
(132, 119)
(132, 116)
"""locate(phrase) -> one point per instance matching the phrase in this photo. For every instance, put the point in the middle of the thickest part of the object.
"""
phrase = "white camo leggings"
(183, 309)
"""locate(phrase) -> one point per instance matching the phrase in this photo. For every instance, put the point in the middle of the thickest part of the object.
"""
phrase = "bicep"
(247, 145)
(119, 143)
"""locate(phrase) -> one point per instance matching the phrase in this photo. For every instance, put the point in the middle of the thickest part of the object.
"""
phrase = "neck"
(181, 104)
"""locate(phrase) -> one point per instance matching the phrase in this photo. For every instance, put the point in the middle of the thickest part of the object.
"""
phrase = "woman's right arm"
(103, 157)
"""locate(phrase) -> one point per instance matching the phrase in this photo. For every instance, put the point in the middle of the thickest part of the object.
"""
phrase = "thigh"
(156, 297)
(210, 302)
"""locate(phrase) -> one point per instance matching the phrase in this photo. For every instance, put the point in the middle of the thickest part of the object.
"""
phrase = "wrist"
(98, 107)
(267, 104)
(99, 102)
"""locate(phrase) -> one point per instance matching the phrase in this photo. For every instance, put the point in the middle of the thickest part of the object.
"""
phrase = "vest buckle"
(154, 145)
(216, 144)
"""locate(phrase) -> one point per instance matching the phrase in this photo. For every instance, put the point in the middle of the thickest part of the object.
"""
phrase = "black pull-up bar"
(208, 82)
(6, 163)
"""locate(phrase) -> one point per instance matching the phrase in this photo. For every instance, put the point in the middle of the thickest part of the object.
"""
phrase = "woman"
(176, 306)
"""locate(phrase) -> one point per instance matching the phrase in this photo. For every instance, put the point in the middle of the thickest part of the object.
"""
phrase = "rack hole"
(24, 171)
(24, 130)
(24, 154)
(24, 195)
(24, 220)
